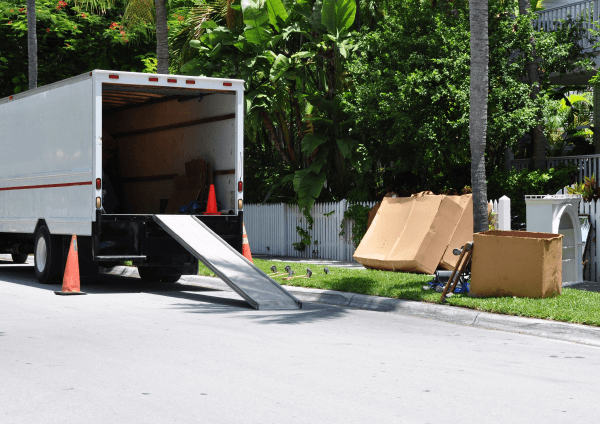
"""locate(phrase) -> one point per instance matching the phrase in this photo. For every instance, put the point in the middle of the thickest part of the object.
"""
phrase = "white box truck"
(55, 182)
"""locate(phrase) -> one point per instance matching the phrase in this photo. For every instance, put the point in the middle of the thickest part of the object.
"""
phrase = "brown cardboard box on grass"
(409, 233)
(516, 263)
(375, 208)
(387, 226)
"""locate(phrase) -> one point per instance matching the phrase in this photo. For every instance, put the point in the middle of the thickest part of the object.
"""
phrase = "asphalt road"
(174, 353)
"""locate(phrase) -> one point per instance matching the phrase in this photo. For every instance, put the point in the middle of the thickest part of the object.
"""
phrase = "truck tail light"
(240, 186)
(227, 84)
(171, 80)
(113, 76)
(240, 204)
(190, 82)
(98, 183)
(153, 79)
(98, 203)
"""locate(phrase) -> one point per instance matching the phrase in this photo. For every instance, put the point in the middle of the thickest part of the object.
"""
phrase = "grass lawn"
(575, 306)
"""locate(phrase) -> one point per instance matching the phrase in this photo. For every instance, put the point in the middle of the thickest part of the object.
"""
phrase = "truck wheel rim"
(40, 255)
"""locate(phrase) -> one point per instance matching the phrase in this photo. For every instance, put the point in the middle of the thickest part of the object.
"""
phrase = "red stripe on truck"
(46, 186)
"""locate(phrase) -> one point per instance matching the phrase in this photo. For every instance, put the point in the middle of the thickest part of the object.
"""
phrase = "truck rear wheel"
(19, 258)
(47, 256)
(154, 274)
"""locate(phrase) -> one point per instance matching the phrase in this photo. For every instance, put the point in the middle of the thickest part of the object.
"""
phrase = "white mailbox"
(559, 214)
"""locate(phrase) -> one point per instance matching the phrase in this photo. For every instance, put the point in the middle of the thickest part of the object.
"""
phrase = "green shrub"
(516, 184)
(360, 215)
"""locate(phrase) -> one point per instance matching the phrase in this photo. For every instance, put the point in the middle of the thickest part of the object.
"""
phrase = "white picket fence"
(272, 230)
(501, 209)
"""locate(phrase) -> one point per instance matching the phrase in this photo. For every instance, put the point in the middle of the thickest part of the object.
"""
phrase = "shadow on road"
(204, 300)
(310, 312)
(103, 284)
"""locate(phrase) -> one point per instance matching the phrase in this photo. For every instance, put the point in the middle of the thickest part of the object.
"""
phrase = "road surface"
(130, 352)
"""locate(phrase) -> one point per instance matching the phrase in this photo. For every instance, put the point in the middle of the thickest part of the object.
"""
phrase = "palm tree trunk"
(478, 20)
(539, 142)
(162, 38)
(32, 45)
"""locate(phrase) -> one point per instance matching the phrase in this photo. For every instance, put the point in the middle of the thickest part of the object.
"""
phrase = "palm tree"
(539, 142)
(152, 11)
(162, 38)
(478, 20)
(32, 45)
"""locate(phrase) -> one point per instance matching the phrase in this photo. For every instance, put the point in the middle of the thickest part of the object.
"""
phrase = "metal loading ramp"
(256, 287)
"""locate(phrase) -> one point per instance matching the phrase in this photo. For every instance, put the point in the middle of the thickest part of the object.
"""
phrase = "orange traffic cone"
(246, 246)
(211, 207)
(71, 279)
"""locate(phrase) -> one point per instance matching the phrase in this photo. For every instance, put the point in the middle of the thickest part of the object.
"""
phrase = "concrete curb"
(453, 314)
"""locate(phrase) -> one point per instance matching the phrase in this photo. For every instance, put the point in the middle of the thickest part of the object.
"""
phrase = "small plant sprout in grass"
(575, 306)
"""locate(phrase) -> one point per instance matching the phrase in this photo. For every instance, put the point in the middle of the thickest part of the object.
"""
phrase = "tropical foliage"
(567, 123)
(70, 42)
(293, 57)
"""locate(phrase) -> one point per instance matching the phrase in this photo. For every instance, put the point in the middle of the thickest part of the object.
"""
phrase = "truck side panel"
(46, 161)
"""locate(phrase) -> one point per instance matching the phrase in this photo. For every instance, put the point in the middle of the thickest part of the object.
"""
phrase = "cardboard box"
(463, 232)
(186, 190)
(387, 226)
(516, 263)
(409, 234)
(194, 167)
(375, 208)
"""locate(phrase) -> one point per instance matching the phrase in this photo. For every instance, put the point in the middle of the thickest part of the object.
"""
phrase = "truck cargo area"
(150, 133)
(162, 148)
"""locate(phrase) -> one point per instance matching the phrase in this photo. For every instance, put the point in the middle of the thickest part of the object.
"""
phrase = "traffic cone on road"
(246, 246)
(71, 279)
(211, 207)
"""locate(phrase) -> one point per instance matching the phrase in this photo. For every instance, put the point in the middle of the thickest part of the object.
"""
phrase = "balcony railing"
(549, 19)
(587, 165)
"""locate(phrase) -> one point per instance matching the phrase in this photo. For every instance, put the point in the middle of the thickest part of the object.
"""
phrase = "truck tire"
(19, 258)
(47, 256)
(150, 274)
(154, 274)
(170, 275)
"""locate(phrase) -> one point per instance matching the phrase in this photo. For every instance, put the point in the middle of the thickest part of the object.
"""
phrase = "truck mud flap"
(256, 287)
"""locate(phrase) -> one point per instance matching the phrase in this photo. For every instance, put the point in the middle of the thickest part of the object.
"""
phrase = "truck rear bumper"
(138, 238)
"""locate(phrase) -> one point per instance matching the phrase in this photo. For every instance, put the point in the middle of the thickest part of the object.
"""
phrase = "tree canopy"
(331, 112)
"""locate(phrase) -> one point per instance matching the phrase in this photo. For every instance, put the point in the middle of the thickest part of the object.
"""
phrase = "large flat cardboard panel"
(409, 234)
(516, 263)
(463, 233)
(406, 252)
(388, 224)
(439, 229)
